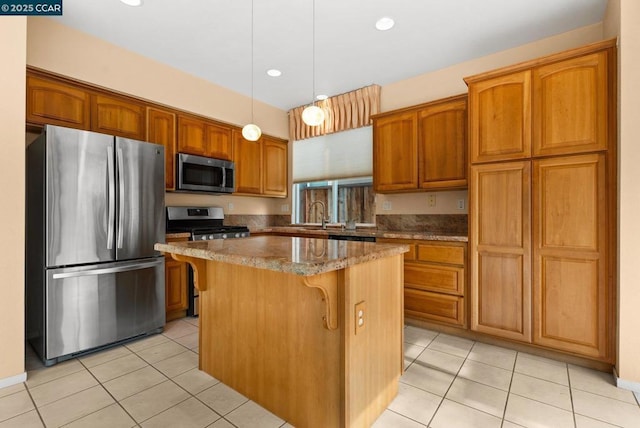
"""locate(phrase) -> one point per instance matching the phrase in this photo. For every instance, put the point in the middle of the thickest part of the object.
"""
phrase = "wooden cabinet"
(551, 109)
(421, 148)
(395, 152)
(442, 145)
(500, 117)
(176, 285)
(247, 156)
(261, 166)
(118, 116)
(434, 280)
(204, 138)
(570, 98)
(275, 164)
(500, 242)
(570, 230)
(161, 129)
(542, 228)
(57, 103)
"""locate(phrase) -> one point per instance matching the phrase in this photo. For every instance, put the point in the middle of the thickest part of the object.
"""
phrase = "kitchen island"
(311, 329)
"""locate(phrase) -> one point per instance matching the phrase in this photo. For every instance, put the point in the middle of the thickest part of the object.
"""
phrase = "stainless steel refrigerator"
(95, 208)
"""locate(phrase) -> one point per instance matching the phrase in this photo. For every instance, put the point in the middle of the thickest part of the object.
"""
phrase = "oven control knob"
(224, 236)
(210, 236)
(203, 237)
(237, 235)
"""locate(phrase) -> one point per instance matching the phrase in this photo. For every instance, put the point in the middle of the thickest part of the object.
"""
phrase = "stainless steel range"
(203, 223)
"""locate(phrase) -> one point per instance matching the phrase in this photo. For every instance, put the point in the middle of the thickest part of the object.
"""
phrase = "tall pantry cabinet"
(542, 192)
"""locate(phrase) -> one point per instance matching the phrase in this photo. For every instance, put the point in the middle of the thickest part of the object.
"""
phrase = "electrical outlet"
(460, 204)
(386, 205)
(284, 208)
(360, 313)
(230, 206)
(431, 200)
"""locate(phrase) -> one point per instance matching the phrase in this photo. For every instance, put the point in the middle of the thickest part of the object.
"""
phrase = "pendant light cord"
(313, 53)
(252, 61)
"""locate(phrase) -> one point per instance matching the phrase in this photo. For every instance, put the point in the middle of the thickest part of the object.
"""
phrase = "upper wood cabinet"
(117, 116)
(204, 138)
(570, 101)
(57, 103)
(421, 148)
(555, 107)
(247, 156)
(395, 152)
(442, 145)
(500, 117)
(275, 164)
(161, 129)
(261, 166)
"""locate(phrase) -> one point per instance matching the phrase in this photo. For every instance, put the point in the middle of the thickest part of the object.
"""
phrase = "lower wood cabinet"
(175, 285)
(435, 280)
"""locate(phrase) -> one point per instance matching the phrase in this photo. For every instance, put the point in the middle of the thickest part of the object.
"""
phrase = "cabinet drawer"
(434, 306)
(444, 279)
(441, 254)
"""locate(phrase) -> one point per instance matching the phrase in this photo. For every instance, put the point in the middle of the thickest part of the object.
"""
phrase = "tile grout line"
(34, 404)
(506, 403)
(573, 408)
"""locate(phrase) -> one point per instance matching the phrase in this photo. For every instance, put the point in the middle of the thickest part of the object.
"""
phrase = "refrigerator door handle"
(121, 197)
(134, 266)
(111, 187)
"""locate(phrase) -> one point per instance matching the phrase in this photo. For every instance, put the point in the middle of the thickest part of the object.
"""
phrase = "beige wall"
(61, 49)
(629, 193)
(13, 32)
(449, 81)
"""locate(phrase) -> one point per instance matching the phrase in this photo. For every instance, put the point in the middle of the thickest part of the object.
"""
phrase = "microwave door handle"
(121, 197)
(111, 187)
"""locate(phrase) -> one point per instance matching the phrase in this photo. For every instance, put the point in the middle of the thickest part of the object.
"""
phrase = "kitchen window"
(344, 200)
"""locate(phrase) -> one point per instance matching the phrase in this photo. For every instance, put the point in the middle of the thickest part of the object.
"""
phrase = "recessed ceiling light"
(321, 97)
(274, 73)
(132, 2)
(385, 23)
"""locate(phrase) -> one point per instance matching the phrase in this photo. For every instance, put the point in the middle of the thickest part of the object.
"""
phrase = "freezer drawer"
(93, 306)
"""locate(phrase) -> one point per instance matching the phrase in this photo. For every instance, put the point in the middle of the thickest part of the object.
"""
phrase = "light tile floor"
(449, 382)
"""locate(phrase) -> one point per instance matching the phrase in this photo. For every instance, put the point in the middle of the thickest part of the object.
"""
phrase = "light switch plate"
(386, 205)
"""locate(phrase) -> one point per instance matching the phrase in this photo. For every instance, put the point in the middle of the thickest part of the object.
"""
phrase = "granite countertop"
(299, 256)
(364, 231)
(177, 235)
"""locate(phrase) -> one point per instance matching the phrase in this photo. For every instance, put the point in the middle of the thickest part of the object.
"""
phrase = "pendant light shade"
(251, 132)
(313, 115)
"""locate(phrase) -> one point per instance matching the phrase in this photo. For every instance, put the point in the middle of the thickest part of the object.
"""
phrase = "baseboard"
(13, 380)
(626, 384)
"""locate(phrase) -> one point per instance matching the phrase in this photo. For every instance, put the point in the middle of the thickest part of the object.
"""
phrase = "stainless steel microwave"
(202, 174)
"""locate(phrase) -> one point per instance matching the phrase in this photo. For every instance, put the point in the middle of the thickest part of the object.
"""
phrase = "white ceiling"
(212, 38)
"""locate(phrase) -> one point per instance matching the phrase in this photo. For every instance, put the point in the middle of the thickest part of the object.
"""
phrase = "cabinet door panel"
(275, 167)
(218, 142)
(191, 136)
(500, 118)
(570, 272)
(500, 245)
(161, 129)
(443, 145)
(117, 116)
(175, 285)
(247, 156)
(395, 149)
(50, 102)
(570, 106)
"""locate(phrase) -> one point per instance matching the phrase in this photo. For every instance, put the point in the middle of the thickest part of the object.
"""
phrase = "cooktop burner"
(202, 223)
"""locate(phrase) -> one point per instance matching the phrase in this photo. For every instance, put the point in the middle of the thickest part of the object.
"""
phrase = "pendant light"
(251, 131)
(313, 115)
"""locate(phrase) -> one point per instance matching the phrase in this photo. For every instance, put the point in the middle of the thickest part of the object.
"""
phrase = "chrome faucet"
(324, 212)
